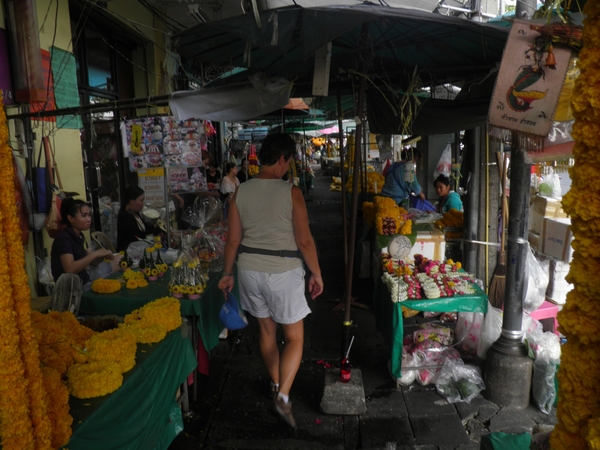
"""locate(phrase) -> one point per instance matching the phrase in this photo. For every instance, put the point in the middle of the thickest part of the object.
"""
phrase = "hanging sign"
(529, 82)
(152, 181)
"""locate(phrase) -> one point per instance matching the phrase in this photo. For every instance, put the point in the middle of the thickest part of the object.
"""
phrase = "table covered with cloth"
(205, 309)
(143, 412)
(389, 319)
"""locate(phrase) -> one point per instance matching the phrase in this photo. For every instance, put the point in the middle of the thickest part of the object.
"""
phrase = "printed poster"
(530, 80)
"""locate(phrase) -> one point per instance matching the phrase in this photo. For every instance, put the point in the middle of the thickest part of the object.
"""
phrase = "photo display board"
(173, 144)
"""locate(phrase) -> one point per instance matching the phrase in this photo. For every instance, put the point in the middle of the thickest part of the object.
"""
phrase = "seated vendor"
(130, 225)
(448, 199)
(71, 253)
(395, 186)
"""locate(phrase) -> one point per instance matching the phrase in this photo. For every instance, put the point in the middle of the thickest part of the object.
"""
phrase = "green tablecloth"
(390, 321)
(143, 413)
(206, 308)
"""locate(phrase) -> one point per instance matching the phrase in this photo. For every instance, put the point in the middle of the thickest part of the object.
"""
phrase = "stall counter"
(143, 412)
(389, 319)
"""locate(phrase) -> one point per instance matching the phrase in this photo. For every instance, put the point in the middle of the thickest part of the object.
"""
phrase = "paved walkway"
(233, 411)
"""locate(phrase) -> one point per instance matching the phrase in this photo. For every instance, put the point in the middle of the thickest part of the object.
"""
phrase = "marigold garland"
(105, 286)
(58, 407)
(94, 379)
(23, 408)
(151, 322)
(578, 410)
(117, 345)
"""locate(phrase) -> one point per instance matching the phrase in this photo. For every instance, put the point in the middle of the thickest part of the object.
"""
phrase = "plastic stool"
(548, 310)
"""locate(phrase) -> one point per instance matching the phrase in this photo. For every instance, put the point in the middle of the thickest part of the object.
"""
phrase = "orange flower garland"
(94, 379)
(151, 322)
(116, 345)
(578, 411)
(24, 423)
(58, 407)
(104, 286)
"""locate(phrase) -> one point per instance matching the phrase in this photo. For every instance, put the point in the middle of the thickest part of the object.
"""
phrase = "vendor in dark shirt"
(70, 251)
(130, 225)
(242, 174)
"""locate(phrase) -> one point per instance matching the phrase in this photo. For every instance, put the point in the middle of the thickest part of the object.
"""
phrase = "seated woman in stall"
(131, 226)
(448, 199)
(71, 253)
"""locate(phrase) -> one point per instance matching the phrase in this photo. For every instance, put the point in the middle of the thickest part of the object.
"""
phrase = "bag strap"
(40, 154)
(51, 162)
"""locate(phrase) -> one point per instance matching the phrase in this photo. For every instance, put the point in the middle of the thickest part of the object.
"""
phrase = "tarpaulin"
(234, 103)
(143, 413)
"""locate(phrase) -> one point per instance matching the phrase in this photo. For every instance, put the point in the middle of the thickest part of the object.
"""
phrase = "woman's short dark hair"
(442, 179)
(229, 166)
(131, 193)
(274, 146)
(70, 207)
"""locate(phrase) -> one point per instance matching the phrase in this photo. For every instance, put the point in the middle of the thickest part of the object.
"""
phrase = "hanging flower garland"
(25, 423)
(58, 407)
(578, 409)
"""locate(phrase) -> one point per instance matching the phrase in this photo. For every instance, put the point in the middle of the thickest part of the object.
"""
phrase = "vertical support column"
(507, 367)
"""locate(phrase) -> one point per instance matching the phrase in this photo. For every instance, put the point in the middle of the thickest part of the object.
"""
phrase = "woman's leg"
(268, 347)
(291, 356)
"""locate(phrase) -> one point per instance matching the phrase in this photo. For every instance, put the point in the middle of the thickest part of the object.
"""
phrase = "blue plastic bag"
(230, 314)
(423, 205)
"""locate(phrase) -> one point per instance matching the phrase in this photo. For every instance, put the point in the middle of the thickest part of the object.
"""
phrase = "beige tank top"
(265, 208)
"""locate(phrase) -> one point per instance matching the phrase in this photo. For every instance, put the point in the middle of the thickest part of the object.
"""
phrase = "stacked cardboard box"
(558, 287)
(541, 208)
(556, 239)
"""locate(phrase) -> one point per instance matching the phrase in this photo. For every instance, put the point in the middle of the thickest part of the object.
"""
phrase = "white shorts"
(279, 296)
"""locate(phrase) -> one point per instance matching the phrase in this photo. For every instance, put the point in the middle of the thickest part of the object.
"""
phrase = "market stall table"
(389, 317)
(143, 412)
(204, 310)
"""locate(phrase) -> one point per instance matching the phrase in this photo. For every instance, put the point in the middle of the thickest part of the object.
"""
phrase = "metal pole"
(158, 100)
(520, 173)
(343, 175)
(473, 138)
(508, 369)
(353, 215)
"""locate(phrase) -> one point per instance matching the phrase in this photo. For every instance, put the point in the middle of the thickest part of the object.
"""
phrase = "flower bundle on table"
(578, 410)
(451, 219)
(106, 286)
(375, 182)
(134, 279)
(425, 279)
(253, 162)
(386, 216)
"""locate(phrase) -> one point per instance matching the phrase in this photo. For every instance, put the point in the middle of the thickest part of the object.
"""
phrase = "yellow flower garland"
(117, 345)
(578, 410)
(58, 407)
(94, 379)
(104, 286)
(23, 408)
(151, 322)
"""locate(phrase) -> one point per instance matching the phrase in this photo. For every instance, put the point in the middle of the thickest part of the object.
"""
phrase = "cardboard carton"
(535, 240)
(542, 207)
(556, 239)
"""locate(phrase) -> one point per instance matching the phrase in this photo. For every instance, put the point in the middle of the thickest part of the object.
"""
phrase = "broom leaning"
(497, 285)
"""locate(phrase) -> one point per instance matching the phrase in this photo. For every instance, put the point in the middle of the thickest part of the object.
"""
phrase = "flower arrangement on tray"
(424, 279)
(386, 217)
(452, 219)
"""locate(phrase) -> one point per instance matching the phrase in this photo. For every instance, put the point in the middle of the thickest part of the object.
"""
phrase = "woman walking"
(268, 227)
